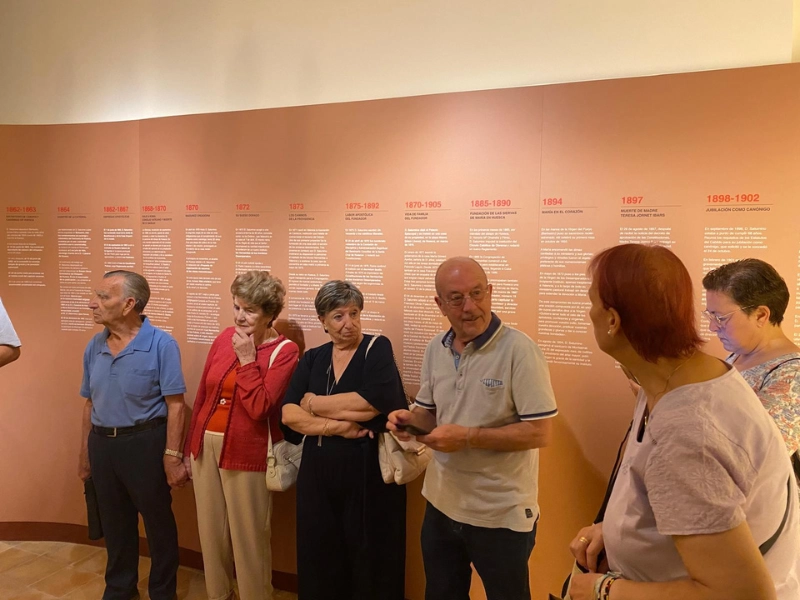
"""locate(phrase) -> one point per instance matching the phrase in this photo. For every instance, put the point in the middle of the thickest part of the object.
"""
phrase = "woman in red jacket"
(238, 403)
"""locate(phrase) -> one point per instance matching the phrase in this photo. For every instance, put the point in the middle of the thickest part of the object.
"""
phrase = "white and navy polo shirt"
(501, 377)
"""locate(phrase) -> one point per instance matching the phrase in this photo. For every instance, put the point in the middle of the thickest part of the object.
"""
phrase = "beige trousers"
(234, 509)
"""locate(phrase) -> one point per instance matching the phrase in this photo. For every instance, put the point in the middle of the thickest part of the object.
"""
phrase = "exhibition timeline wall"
(530, 181)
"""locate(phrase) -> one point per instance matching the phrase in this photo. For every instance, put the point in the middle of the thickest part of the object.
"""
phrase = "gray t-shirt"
(710, 458)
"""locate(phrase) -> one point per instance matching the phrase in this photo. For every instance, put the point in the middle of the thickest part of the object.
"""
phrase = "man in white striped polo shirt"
(485, 401)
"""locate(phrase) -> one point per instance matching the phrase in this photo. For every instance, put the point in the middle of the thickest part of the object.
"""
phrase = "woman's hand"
(349, 430)
(305, 401)
(587, 546)
(581, 586)
(244, 347)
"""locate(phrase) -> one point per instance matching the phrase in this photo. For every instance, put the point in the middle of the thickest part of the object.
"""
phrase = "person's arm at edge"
(84, 469)
(721, 566)
(8, 354)
(176, 419)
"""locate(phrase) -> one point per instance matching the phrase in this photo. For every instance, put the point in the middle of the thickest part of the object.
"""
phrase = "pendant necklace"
(646, 416)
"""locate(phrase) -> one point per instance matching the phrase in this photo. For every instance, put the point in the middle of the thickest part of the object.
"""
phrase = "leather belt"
(115, 431)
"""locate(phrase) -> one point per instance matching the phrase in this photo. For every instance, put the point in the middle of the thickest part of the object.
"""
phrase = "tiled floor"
(48, 570)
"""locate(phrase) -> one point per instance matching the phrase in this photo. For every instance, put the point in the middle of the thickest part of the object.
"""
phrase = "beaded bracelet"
(608, 581)
(597, 585)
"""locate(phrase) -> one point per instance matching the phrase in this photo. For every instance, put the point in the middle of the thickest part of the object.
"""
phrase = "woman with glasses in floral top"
(745, 304)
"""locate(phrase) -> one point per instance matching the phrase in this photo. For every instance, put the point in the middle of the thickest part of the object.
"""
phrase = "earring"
(608, 332)
(325, 329)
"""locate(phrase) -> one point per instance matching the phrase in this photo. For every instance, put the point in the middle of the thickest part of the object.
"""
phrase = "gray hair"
(336, 294)
(133, 286)
(260, 289)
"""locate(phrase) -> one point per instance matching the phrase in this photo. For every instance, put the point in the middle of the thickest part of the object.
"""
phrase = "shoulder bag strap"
(372, 341)
(775, 368)
(614, 472)
(765, 547)
(269, 425)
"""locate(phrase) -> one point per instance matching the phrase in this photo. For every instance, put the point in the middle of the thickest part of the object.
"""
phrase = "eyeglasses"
(721, 320)
(457, 300)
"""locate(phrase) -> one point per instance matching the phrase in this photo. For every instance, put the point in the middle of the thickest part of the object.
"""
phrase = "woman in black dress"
(350, 524)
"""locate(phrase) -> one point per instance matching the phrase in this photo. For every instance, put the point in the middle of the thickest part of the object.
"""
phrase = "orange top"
(222, 411)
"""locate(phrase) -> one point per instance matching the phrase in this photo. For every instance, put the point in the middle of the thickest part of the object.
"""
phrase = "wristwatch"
(175, 453)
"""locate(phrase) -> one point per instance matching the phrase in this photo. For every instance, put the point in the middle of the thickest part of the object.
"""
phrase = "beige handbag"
(283, 458)
(400, 462)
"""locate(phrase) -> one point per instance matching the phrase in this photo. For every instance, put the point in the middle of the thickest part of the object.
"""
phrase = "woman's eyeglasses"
(721, 320)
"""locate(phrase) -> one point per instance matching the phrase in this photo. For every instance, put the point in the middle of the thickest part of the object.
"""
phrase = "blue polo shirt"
(129, 388)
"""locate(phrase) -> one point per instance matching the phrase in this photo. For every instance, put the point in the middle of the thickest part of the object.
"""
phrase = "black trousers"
(450, 549)
(351, 526)
(128, 473)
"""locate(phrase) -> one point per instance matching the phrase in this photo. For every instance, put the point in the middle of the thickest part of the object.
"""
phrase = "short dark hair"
(134, 286)
(651, 290)
(751, 283)
(336, 294)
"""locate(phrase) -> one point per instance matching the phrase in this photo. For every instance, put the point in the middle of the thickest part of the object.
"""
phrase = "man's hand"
(176, 472)
(244, 346)
(398, 419)
(187, 464)
(446, 438)
(84, 469)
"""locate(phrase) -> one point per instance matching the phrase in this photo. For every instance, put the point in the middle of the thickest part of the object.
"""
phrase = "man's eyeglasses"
(721, 320)
(457, 300)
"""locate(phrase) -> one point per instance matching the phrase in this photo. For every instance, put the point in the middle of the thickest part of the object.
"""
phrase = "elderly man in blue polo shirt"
(132, 435)
(484, 407)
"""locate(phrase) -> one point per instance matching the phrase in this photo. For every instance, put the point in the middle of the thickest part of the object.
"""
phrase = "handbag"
(400, 462)
(283, 458)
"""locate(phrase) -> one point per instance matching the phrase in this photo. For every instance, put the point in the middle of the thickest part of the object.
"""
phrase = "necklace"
(646, 416)
(669, 377)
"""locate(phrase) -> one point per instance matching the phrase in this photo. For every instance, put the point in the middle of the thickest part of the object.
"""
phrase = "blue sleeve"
(86, 390)
(170, 374)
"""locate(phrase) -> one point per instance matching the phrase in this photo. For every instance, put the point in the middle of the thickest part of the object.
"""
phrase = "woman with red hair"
(704, 505)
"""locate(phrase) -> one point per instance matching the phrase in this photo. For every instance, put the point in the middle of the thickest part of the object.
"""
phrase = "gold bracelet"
(310, 409)
(325, 428)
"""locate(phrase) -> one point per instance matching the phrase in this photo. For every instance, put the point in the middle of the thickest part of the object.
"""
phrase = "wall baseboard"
(31, 531)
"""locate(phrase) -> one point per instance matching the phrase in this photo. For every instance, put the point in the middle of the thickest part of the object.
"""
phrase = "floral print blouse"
(777, 384)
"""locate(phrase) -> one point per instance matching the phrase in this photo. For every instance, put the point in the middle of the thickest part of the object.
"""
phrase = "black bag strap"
(602, 512)
(765, 547)
(614, 472)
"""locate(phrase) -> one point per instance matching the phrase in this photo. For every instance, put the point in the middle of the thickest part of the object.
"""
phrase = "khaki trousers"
(234, 509)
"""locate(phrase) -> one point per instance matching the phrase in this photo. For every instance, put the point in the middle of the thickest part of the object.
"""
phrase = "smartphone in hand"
(412, 429)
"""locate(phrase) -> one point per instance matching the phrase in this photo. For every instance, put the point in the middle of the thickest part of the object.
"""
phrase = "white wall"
(105, 60)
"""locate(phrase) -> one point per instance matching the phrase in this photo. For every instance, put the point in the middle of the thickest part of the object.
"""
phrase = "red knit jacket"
(257, 397)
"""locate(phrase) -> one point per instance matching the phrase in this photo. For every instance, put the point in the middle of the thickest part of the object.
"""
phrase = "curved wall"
(530, 181)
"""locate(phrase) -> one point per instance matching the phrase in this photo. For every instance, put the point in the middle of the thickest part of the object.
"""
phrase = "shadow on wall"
(293, 331)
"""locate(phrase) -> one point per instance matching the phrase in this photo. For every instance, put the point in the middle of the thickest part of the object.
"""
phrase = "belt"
(115, 431)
